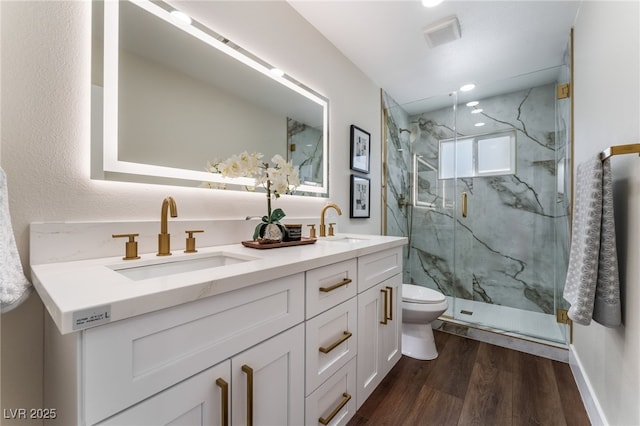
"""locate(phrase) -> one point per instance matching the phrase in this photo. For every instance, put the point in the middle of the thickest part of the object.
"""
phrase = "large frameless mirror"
(170, 96)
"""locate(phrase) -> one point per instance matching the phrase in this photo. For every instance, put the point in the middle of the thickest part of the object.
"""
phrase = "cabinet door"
(379, 334)
(370, 314)
(200, 400)
(268, 381)
(391, 332)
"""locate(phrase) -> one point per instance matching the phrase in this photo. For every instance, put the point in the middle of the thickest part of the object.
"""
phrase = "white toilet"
(420, 307)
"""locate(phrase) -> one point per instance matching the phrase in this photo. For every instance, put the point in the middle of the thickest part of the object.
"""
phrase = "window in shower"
(482, 155)
(425, 183)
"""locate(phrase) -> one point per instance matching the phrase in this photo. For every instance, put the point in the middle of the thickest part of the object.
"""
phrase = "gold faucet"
(323, 228)
(164, 244)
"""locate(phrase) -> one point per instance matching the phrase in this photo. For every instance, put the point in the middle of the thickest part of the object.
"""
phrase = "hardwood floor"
(475, 383)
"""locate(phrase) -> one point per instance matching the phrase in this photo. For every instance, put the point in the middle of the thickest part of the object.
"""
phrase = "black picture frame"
(360, 205)
(360, 149)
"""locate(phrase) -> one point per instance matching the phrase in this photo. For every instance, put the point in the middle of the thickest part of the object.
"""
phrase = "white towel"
(14, 286)
(593, 285)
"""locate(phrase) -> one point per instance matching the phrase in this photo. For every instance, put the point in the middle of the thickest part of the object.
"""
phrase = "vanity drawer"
(331, 341)
(130, 360)
(330, 285)
(377, 267)
(335, 396)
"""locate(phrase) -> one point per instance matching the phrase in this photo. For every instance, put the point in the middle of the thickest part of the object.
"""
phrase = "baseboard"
(591, 404)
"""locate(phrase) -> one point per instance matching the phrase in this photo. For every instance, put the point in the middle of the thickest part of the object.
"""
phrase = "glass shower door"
(505, 216)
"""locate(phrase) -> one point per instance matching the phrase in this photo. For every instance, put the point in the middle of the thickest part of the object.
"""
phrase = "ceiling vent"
(443, 31)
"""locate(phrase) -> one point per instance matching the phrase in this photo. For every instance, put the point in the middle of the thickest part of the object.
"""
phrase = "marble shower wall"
(506, 250)
(304, 149)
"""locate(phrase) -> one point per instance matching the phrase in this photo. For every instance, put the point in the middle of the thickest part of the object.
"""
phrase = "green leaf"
(256, 233)
(276, 215)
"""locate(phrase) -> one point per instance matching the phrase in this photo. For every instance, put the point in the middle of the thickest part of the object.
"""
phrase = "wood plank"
(536, 399)
(454, 365)
(390, 400)
(432, 407)
(497, 357)
(489, 397)
(572, 406)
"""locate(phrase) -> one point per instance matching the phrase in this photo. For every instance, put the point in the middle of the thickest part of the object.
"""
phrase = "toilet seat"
(417, 294)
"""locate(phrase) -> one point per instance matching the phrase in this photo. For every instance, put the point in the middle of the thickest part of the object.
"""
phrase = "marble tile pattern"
(308, 152)
(510, 250)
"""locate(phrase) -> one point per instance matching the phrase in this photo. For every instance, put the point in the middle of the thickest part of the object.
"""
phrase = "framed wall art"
(360, 149)
(360, 197)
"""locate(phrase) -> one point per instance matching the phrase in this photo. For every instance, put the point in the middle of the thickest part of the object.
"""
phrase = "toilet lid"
(420, 294)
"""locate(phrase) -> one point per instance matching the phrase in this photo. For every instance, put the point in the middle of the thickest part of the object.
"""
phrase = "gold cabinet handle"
(390, 317)
(249, 371)
(335, 286)
(224, 387)
(335, 344)
(464, 204)
(386, 306)
(346, 397)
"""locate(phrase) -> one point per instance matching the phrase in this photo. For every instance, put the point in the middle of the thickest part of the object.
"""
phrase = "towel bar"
(633, 148)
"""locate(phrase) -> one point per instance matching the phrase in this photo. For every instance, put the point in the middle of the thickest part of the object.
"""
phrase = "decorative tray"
(264, 246)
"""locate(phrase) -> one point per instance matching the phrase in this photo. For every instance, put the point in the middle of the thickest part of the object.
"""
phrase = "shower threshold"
(505, 326)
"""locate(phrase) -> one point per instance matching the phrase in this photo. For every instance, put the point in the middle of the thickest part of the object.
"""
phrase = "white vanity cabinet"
(306, 346)
(379, 318)
(118, 365)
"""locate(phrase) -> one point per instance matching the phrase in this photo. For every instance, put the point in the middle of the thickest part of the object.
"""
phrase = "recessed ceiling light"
(467, 87)
(431, 3)
(476, 111)
(479, 124)
(181, 17)
(276, 72)
(472, 103)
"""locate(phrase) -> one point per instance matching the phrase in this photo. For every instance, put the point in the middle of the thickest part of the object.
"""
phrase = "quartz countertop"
(87, 293)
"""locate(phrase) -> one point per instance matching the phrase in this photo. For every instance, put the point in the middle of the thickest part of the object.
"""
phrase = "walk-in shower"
(482, 192)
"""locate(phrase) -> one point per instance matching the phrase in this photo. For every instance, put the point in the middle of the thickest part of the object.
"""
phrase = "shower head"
(412, 133)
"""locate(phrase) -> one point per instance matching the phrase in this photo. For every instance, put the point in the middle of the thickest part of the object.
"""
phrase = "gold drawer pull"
(249, 372)
(386, 306)
(336, 410)
(224, 386)
(333, 287)
(390, 317)
(346, 335)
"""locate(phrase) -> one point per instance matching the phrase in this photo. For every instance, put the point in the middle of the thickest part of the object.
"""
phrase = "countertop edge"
(270, 266)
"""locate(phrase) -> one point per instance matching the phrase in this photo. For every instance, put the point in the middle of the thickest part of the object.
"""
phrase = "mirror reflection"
(178, 97)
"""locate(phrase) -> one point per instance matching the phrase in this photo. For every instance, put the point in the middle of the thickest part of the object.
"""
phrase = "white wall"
(193, 111)
(45, 48)
(607, 111)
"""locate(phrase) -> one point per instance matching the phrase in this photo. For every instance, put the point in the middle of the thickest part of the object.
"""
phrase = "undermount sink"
(345, 239)
(161, 268)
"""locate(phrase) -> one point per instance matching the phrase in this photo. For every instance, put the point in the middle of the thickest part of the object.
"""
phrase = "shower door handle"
(464, 204)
